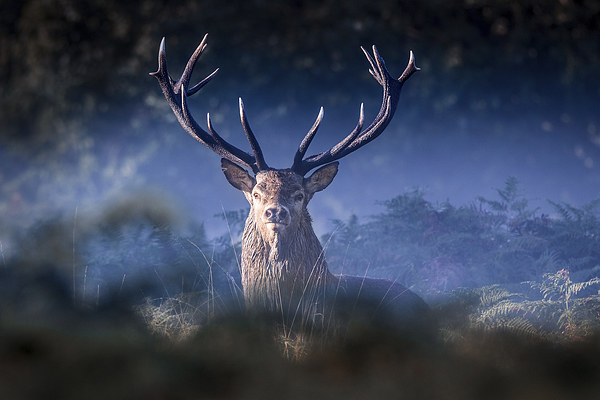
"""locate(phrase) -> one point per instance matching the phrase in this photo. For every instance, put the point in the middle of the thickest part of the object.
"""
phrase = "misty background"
(506, 88)
(482, 196)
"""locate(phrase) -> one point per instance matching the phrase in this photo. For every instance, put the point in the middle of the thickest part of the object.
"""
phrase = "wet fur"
(291, 276)
(284, 271)
(280, 274)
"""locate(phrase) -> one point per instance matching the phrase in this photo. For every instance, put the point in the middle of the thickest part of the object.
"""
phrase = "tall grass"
(502, 341)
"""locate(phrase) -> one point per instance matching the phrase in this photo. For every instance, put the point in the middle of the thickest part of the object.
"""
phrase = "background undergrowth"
(137, 302)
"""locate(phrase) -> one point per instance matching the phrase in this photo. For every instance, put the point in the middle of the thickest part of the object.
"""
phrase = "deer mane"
(277, 271)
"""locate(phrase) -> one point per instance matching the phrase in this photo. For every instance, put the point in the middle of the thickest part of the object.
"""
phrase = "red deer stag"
(283, 268)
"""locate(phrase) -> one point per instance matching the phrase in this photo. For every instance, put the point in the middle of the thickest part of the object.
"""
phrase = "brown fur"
(282, 260)
(284, 270)
(278, 275)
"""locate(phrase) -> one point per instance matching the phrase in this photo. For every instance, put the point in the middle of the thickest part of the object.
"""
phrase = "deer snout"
(277, 214)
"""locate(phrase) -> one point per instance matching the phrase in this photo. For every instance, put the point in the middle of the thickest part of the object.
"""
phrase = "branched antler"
(358, 137)
(177, 92)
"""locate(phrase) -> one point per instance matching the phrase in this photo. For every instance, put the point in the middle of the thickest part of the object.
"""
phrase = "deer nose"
(277, 213)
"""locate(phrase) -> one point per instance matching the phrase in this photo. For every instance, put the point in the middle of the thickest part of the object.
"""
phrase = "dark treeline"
(63, 59)
(79, 111)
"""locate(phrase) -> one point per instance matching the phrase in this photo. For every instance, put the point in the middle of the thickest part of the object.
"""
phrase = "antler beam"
(177, 92)
(358, 138)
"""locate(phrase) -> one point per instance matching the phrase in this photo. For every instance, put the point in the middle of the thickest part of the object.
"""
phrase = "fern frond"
(562, 210)
(499, 310)
(575, 288)
(515, 325)
(490, 295)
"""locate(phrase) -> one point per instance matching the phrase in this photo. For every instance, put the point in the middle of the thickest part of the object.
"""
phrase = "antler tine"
(410, 69)
(373, 70)
(189, 68)
(344, 143)
(213, 142)
(258, 155)
(177, 92)
(306, 141)
(191, 91)
(381, 68)
(231, 149)
(184, 80)
(358, 137)
(161, 73)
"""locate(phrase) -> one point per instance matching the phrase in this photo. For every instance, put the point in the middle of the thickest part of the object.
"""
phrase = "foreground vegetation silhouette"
(178, 330)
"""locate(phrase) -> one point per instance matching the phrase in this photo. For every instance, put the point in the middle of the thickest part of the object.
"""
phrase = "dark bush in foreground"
(109, 353)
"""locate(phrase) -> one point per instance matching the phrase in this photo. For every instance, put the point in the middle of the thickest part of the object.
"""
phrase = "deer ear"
(237, 176)
(321, 178)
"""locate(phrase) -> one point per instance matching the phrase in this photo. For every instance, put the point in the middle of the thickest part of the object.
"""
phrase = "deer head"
(278, 237)
(278, 198)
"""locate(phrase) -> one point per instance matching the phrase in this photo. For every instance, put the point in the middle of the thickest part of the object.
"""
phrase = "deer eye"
(256, 196)
(299, 197)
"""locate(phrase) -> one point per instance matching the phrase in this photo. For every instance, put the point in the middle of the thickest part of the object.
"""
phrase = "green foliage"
(53, 48)
(138, 254)
(575, 234)
(512, 208)
(438, 247)
(558, 286)
(557, 308)
(135, 249)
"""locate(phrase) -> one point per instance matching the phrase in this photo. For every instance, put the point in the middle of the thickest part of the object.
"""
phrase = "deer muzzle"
(276, 217)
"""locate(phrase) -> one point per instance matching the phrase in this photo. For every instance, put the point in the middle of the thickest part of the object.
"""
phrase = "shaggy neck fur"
(286, 272)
